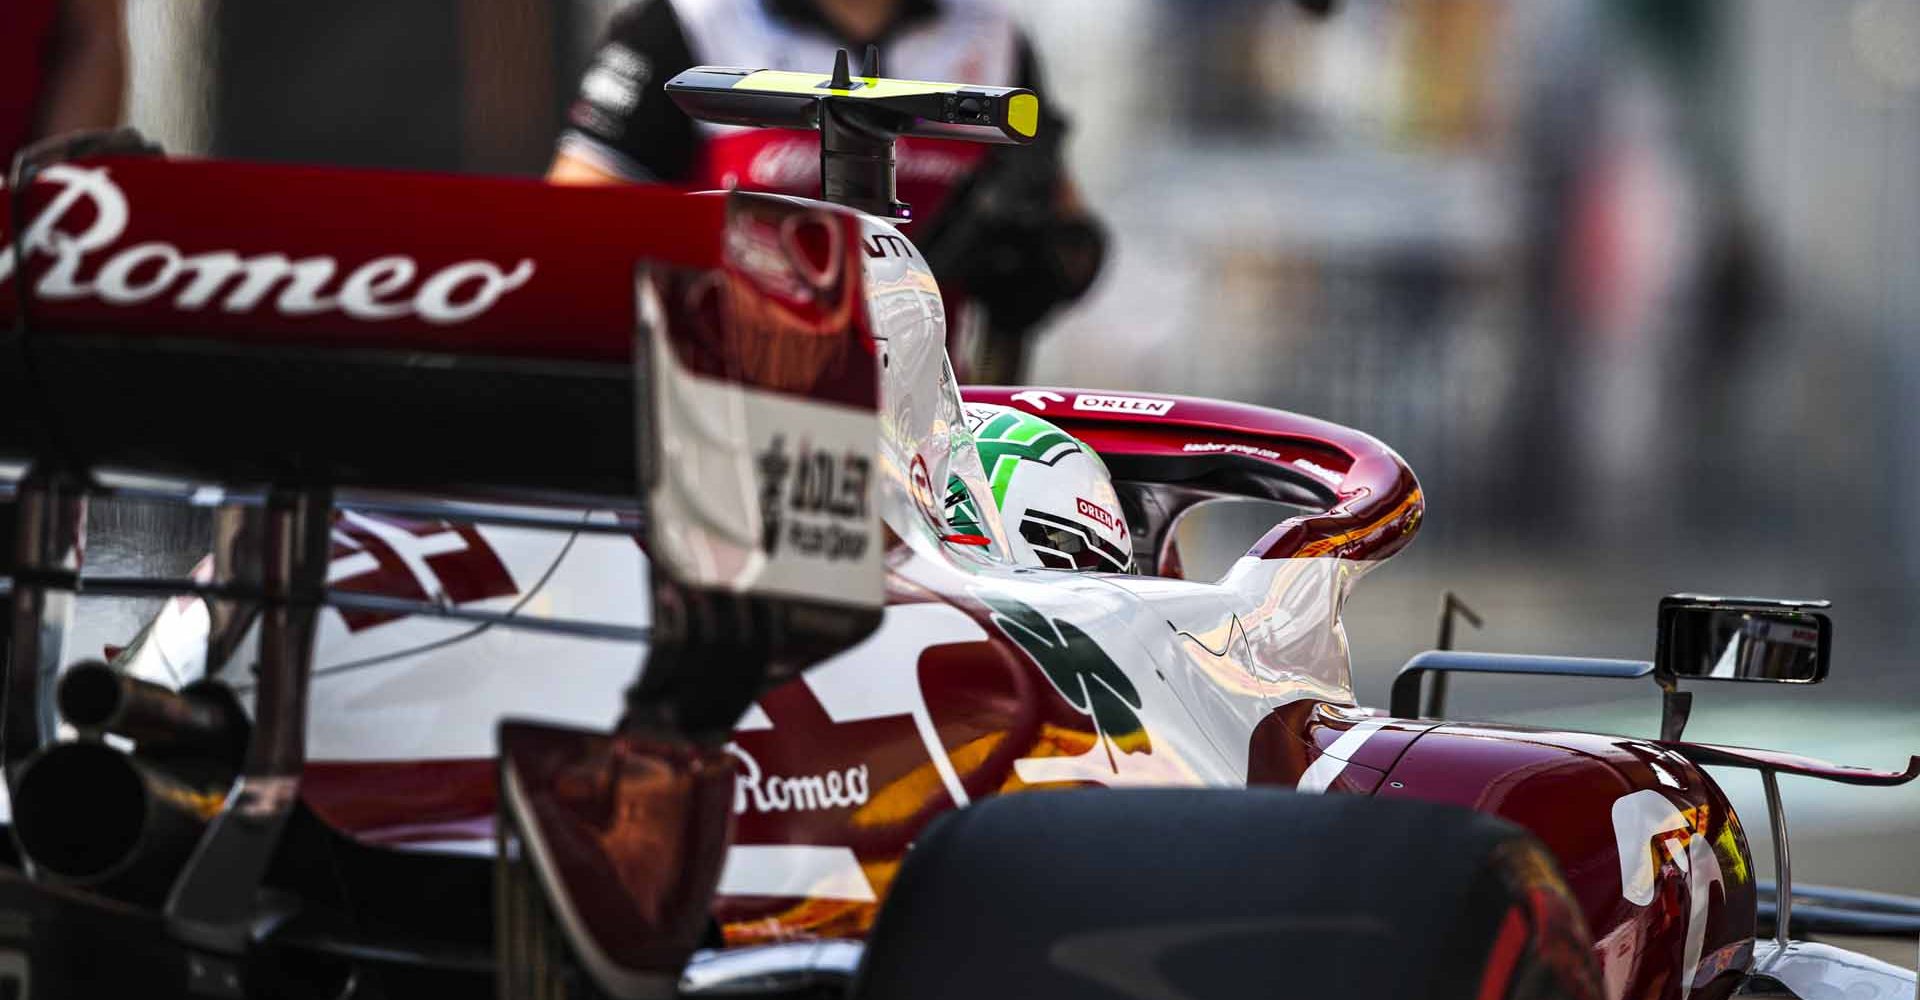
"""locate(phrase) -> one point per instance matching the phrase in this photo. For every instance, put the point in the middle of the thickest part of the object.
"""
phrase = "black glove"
(1021, 271)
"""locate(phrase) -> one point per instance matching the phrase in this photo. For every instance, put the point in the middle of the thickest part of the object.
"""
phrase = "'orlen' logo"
(1096, 513)
(1037, 398)
(387, 287)
(1122, 404)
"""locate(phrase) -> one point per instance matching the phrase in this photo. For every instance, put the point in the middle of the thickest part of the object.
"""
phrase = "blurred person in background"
(1645, 279)
(1002, 227)
(63, 67)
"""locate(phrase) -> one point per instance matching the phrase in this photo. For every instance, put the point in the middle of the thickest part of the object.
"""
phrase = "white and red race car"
(480, 449)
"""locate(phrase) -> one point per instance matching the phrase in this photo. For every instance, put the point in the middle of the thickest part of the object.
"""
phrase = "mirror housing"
(1744, 639)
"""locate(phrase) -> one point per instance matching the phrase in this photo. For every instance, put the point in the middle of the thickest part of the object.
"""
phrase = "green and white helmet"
(1053, 492)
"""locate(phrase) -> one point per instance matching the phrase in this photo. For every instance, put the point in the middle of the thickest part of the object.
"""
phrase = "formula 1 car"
(479, 452)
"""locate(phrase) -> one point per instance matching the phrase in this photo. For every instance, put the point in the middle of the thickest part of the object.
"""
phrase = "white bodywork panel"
(1209, 660)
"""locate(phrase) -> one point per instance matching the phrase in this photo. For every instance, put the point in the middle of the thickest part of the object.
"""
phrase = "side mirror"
(1742, 639)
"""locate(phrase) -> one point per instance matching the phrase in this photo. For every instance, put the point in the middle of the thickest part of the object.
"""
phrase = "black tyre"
(1226, 894)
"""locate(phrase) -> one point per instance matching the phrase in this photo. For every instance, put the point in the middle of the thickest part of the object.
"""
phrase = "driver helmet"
(1053, 491)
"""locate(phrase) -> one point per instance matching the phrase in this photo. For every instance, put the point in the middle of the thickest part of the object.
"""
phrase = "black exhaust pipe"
(200, 719)
(85, 814)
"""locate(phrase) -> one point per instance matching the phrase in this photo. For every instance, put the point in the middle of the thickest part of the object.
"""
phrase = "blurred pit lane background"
(1634, 285)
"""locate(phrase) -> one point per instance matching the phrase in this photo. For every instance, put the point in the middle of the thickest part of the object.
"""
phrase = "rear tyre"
(1226, 894)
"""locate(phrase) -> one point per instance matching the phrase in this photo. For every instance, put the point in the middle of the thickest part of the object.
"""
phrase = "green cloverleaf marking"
(1079, 669)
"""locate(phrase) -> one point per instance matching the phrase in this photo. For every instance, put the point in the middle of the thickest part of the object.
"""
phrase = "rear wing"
(251, 324)
(239, 322)
(1169, 453)
(274, 334)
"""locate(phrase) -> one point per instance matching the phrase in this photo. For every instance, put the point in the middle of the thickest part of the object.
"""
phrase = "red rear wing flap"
(314, 257)
(1368, 502)
(256, 324)
(245, 322)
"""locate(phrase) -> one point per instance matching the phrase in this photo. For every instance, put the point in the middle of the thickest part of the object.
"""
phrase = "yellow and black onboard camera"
(858, 118)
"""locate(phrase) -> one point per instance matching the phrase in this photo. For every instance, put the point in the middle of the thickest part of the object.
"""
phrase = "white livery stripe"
(1326, 767)
(850, 689)
(473, 847)
(816, 872)
(755, 720)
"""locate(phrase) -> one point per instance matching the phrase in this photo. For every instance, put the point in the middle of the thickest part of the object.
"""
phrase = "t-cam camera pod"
(858, 119)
